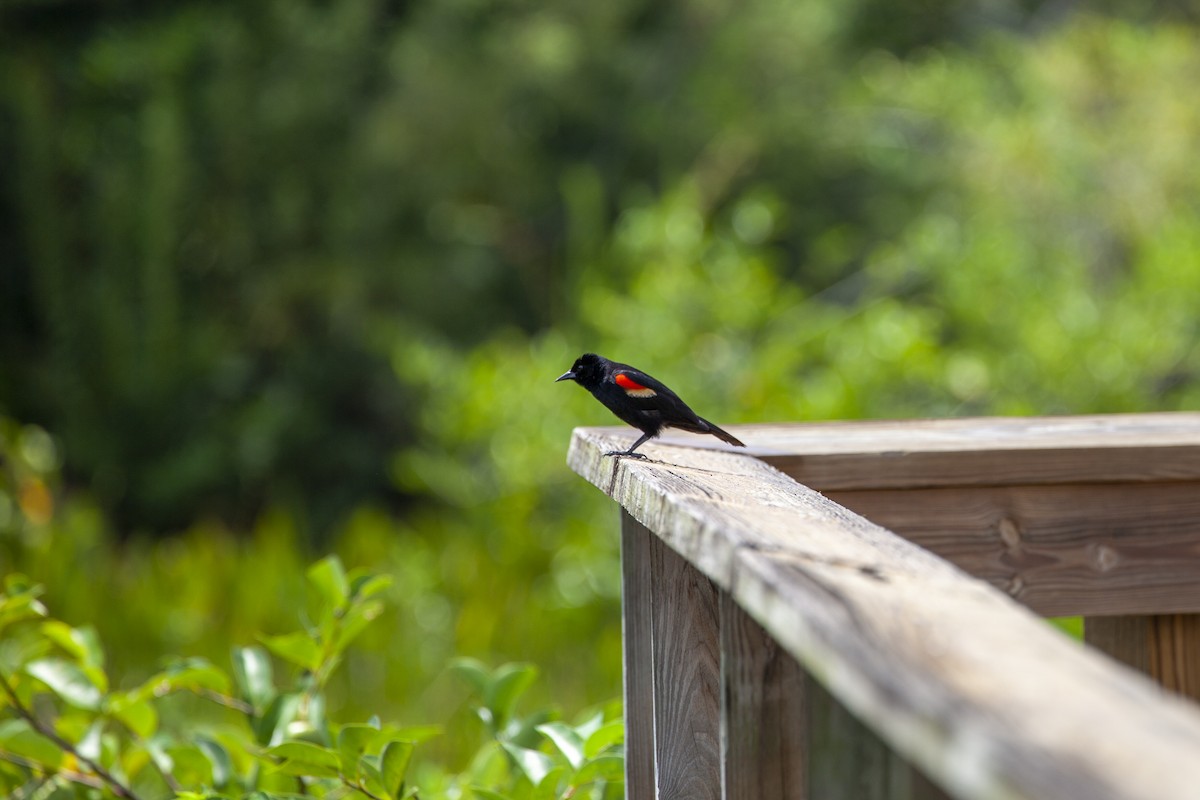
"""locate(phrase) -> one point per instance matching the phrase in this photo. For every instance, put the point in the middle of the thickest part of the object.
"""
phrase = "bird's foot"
(625, 453)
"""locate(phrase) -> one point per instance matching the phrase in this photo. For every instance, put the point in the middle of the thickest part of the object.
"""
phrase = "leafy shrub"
(67, 731)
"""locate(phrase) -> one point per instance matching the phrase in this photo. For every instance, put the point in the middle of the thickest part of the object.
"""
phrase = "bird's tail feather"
(724, 436)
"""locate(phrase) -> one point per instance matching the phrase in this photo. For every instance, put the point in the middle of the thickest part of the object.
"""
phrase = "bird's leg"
(635, 446)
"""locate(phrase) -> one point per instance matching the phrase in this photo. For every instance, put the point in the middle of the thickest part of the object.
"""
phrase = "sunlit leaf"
(305, 758)
(191, 765)
(606, 736)
(352, 742)
(134, 712)
(20, 608)
(393, 764)
(508, 684)
(547, 787)
(253, 675)
(329, 578)
(566, 739)
(82, 644)
(602, 768)
(271, 727)
(67, 680)
(298, 648)
(473, 671)
(218, 757)
(363, 587)
(535, 765)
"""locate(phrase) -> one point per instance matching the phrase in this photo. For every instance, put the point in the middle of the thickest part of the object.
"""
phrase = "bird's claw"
(625, 453)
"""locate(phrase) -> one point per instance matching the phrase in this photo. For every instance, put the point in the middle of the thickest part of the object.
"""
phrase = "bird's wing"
(652, 394)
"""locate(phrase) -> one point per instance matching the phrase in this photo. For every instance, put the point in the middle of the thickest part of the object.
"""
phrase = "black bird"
(638, 399)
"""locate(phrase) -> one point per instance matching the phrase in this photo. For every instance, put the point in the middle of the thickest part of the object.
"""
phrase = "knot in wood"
(1010, 534)
(1104, 557)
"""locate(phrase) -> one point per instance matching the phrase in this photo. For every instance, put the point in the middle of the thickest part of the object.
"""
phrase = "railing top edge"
(972, 451)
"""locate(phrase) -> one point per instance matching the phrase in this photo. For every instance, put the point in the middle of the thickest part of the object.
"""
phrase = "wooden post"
(672, 672)
(764, 716)
(850, 762)
(636, 602)
(687, 678)
(1164, 646)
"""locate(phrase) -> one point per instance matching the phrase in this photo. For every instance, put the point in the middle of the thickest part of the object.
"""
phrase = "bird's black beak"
(566, 376)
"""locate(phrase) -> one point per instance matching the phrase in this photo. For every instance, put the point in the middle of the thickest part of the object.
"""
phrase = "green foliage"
(66, 729)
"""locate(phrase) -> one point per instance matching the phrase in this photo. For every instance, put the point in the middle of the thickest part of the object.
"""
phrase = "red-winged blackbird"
(638, 399)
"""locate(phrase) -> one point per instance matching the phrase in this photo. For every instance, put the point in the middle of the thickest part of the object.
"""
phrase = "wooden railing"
(779, 645)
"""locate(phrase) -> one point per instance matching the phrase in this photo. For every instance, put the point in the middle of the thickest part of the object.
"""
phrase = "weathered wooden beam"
(980, 451)
(1061, 549)
(987, 699)
(1090, 516)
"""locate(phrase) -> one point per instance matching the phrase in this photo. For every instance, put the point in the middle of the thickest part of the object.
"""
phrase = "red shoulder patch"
(626, 382)
(632, 387)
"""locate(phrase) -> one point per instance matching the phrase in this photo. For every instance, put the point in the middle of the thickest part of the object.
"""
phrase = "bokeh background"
(286, 277)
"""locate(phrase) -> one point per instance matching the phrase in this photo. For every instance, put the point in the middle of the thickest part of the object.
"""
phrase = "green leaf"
(547, 788)
(68, 680)
(363, 587)
(371, 775)
(252, 674)
(82, 644)
(89, 744)
(568, 742)
(18, 738)
(393, 764)
(270, 728)
(134, 712)
(472, 671)
(298, 648)
(508, 684)
(19, 608)
(609, 768)
(305, 758)
(535, 765)
(190, 765)
(590, 725)
(218, 757)
(606, 736)
(352, 742)
(329, 578)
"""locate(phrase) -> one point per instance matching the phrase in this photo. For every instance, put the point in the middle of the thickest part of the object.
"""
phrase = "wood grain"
(1174, 645)
(764, 715)
(850, 762)
(1125, 639)
(1165, 647)
(987, 699)
(1062, 550)
(636, 638)
(687, 679)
